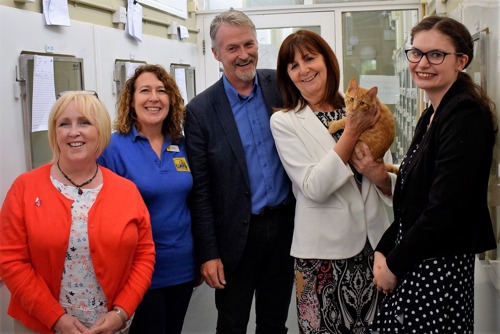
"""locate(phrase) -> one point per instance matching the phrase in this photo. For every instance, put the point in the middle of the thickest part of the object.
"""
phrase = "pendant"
(80, 191)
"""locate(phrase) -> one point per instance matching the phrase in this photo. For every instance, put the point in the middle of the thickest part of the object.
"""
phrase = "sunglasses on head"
(83, 92)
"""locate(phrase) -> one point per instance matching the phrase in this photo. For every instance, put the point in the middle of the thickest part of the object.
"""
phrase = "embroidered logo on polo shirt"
(181, 165)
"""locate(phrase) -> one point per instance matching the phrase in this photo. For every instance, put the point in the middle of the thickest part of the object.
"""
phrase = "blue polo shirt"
(269, 185)
(164, 185)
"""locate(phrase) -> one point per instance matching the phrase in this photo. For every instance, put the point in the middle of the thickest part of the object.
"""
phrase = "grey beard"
(247, 76)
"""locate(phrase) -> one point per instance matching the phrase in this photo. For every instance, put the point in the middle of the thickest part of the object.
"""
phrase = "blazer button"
(246, 222)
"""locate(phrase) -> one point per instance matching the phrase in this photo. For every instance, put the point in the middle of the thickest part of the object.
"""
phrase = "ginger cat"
(378, 138)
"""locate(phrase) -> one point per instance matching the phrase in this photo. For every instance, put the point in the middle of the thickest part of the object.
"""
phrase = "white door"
(272, 29)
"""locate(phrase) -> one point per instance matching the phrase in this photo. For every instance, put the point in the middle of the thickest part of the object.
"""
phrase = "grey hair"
(232, 17)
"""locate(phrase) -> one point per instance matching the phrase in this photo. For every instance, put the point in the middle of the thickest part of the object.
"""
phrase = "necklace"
(79, 186)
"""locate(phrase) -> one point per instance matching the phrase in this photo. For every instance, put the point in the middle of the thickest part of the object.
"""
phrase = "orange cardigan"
(34, 230)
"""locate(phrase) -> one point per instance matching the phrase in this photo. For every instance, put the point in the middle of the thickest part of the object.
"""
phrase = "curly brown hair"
(172, 125)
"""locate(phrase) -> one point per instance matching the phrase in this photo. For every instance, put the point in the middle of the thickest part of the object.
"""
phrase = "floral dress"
(336, 296)
(81, 294)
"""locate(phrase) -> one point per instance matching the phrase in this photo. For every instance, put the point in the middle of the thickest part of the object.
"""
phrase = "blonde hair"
(91, 108)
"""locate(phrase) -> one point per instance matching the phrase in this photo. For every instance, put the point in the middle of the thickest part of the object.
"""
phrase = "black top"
(441, 207)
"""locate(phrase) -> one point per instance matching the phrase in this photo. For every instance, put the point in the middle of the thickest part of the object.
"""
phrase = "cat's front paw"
(392, 168)
(334, 126)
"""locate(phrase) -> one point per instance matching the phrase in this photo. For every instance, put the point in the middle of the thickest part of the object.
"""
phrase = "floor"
(201, 317)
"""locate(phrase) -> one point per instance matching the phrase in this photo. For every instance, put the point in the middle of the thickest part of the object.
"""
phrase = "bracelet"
(121, 315)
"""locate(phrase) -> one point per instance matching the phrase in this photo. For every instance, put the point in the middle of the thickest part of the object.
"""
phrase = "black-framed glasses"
(434, 57)
(84, 92)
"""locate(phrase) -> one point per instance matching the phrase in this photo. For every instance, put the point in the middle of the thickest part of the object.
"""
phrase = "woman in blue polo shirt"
(148, 148)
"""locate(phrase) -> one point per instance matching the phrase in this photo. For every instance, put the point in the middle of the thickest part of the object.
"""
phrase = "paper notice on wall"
(134, 20)
(388, 86)
(44, 92)
(184, 32)
(130, 69)
(180, 79)
(56, 12)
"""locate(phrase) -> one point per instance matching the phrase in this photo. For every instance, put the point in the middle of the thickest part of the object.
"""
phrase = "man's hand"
(213, 273)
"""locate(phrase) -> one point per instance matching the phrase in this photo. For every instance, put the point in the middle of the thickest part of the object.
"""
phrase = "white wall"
(99, 46)
(478, 16)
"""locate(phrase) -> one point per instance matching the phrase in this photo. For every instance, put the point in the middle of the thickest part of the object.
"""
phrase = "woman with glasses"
(76, 247)
(149, 149)
(424, 263)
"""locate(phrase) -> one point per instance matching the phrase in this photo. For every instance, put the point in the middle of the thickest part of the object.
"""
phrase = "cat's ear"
(373, 91)
(353, 84)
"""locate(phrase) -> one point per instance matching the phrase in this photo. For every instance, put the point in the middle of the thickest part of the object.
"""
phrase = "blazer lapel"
(225, 115)
(422, 135)
(269, 92)
(316, 130)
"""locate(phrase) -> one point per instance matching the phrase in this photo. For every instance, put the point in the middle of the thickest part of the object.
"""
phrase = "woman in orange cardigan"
(76, 249)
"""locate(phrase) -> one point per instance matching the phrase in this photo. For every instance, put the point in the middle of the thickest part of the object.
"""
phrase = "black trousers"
(162, 310)
(266, 272)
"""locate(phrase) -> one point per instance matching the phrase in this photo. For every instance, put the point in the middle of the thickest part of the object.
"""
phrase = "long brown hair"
(307, 41)
(172, 125)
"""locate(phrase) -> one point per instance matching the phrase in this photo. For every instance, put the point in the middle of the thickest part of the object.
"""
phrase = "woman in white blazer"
(340, 191)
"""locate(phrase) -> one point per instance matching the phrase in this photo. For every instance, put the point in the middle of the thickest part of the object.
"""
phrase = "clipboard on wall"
(68, 75)
(477, 69)
(124, 69)
(184, 76)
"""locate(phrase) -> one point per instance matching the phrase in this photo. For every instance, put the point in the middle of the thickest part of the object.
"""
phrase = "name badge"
(173, 148)
(181, 165)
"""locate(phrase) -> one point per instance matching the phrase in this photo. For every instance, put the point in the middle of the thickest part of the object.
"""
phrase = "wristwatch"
(121, 314)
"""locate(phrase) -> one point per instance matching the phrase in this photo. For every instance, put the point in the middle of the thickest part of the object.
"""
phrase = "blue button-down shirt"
(269, 185)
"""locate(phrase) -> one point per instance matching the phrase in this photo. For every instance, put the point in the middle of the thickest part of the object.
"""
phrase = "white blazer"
(332, 218)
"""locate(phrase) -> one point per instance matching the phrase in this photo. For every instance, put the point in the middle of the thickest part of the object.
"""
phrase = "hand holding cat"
(359, 122)
(373, 169)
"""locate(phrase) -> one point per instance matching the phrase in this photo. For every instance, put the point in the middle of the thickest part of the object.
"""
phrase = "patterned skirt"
(436, 297)
(336, 296)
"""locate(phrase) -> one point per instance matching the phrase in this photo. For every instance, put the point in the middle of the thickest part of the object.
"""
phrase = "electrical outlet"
(120, 15)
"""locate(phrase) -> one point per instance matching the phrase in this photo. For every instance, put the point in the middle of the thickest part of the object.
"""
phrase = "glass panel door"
(372, 52)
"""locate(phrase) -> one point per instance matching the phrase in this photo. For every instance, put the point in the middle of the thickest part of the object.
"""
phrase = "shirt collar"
(233, 94)
(135, 133)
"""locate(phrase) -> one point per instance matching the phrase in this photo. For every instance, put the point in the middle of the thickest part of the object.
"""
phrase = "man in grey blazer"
(242, 206)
